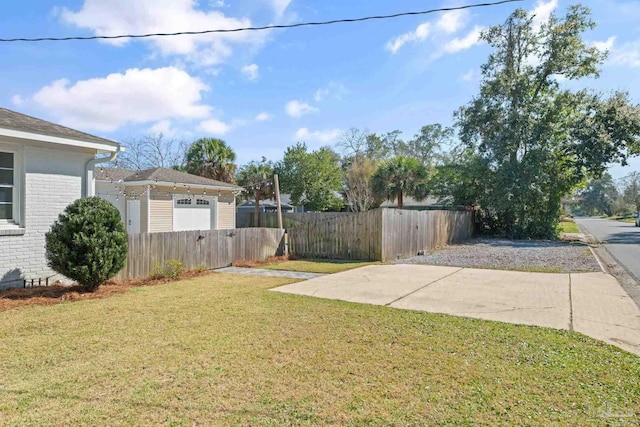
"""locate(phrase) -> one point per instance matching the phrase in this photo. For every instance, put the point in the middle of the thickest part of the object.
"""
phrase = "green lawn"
(222, 350)
(327, 266)
(569, 227)
(619, 218)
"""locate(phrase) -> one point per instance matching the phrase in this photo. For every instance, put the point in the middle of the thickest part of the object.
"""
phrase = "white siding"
(53, 178)
(109, 192)
(226, 211)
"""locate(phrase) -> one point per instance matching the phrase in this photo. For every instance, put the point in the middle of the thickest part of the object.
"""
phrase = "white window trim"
(18, 185)
(193, 198)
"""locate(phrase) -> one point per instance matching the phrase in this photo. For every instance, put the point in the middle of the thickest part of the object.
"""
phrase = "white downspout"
(90, 188)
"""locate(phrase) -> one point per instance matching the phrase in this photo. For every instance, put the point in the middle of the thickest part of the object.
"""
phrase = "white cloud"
(263, 117)
(164, 127)
(115, 17)
(542, 12)
(419, 34)
(252, 71)
(452, 21)
(137, 96)
(605, 45)
(321, 136)
(17, 100)
(449, 23)
(336, 89)
(626, 54)
(469, 75)
(279, 6)
(459, 44)
(297, 108)
(215, 127)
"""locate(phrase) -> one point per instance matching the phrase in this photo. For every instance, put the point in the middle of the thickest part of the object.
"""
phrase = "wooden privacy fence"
(380, 235)
(289, 220)
(356, 236)
(196, 249)
(405, 233)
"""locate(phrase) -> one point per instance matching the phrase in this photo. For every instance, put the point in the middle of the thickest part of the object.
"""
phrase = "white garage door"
(194, 213)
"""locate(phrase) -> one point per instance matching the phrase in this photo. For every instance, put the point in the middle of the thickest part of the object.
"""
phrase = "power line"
(267, 27)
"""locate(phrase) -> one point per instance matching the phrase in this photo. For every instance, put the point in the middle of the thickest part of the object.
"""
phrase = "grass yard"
(327, 266)
(222, 350)
(568, 227)
(622, 219)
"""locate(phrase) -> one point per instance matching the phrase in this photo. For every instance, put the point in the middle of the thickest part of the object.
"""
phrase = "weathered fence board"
(355, 236)
(406, 233)
(196, 249)
(379, 235)
(245, 219)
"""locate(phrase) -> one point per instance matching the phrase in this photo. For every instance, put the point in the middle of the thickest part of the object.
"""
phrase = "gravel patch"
(552, 257)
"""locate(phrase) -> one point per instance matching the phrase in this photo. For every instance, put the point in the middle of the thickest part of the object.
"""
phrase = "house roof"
(158, 175)
(12, 120)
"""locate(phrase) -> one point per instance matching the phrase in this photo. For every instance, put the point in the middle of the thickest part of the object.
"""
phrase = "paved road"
(621, 239)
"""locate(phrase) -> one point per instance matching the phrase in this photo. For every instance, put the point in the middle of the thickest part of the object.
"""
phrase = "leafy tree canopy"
(257, 180)
(400, 176)
(530, 139)
(311, 178)
(211, 158)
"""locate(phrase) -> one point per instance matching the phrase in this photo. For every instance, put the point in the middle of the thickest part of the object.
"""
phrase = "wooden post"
(276, 184)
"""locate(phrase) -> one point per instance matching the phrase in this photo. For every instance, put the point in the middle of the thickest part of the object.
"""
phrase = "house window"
(183, 202)
(202, 202)
(6, 186)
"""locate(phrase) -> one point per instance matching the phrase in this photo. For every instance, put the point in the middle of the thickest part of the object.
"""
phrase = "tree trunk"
(256, 220)
(400, 200)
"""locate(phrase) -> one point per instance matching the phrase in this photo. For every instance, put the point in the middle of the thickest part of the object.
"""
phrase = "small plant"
(171, 270)
(88, 242)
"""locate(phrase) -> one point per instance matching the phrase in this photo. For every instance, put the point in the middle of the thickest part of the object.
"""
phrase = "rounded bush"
(88, 242)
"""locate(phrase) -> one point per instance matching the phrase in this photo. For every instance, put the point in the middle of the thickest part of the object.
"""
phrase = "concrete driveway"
(591, 303)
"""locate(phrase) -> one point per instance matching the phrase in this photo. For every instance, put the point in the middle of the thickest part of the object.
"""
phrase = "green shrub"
(171, 270)
(88, 242)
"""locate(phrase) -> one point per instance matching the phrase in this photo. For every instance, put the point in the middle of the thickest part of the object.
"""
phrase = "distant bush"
(88, 242)
(171, 270)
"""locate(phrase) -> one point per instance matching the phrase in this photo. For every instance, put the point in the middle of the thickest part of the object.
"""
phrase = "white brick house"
(43, 168)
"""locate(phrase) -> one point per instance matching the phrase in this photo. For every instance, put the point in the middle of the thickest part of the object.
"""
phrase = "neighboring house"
(269, 205)
(265, 206)
(43, 168)
(161, 200)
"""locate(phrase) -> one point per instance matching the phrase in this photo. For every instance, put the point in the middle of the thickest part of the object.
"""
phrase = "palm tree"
(399, 176)
(211, 158)
(255, 177)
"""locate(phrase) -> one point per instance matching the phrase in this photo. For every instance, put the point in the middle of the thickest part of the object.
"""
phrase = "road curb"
(600, 263)
(610, 265)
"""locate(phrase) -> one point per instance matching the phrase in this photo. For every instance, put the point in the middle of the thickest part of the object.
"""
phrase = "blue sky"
(263, 91)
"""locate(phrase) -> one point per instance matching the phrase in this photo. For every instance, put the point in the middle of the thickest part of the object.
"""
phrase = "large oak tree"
(531, 139)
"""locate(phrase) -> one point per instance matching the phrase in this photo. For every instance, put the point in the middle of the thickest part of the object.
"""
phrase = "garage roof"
(158, 175)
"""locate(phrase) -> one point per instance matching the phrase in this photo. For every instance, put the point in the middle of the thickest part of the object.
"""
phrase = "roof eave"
(108, 147)
(178, 184)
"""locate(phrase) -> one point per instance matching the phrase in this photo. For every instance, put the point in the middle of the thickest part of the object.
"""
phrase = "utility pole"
(276, 185)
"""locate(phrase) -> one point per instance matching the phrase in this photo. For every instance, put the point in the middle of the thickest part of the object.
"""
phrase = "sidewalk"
(591, 303)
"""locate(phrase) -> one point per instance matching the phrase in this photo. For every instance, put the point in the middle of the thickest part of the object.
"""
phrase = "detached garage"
(160, 200)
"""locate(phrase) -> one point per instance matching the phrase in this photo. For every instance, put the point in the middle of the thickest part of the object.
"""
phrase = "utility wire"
(267, 27)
